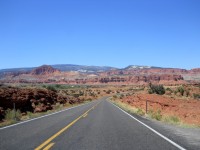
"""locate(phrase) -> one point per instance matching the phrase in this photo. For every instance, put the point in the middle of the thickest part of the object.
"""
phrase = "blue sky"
(107, 33)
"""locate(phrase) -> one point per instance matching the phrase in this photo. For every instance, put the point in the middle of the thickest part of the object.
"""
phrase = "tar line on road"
(156, 132)
(46, 145)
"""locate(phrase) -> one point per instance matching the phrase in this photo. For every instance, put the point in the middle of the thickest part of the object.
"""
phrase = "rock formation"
(44, 70)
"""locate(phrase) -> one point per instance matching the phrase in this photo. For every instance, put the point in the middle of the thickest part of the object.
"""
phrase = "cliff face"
(146, 71)
(171, 79)
(44, 70)
(195, 71)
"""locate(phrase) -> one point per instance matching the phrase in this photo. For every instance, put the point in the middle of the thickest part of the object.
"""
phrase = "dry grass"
(128, 108)
(156, 115)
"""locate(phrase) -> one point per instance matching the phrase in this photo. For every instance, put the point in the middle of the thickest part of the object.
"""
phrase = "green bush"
(158, 89)
(196, 96)
(58, 86)
(155, 115)
(172, 119)
(30, 114)
(58, 106)
(51, 87)
(140, 112)
(187, 93)
(44, 86)
(121, 96)
(76, 95)
(168, 89)
(108, 92)
(89, 99)
(115, 96)
(12, 114)
(180, 90)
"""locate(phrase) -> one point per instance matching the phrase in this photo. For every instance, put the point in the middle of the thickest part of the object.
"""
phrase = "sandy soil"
(188, 110)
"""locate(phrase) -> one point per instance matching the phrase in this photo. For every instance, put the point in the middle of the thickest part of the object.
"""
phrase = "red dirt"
(187, 110)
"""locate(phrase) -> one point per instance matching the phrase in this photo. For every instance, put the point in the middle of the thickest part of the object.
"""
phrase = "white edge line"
(156, 132)
(42, 116)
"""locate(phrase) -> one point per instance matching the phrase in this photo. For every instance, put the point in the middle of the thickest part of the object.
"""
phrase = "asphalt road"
(97, 125)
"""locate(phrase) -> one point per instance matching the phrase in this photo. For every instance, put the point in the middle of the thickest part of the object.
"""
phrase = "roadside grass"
(128, 108)
(13, 117)
(172, 120)
(155, 115)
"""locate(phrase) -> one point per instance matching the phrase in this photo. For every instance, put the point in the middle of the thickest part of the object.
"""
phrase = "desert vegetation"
(157, 89)
(171, 104)
(24, 101)
(176, 104)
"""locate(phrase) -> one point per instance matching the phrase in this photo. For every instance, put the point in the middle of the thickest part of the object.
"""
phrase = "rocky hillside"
(157, 79)
(44, 70)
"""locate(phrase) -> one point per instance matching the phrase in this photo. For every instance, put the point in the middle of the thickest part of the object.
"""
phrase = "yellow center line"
(62, 130)
(49, 146)
(85, 115)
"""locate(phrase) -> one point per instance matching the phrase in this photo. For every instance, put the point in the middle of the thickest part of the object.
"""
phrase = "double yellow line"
(61, 131)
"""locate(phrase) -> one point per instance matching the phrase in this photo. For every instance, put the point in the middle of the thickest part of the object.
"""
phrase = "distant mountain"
(91, 69)
(17, 70)
(130, 67)
(62, 67)
(82, 68)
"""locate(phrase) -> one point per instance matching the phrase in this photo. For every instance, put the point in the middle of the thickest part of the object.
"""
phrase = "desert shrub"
(51, 87)
(29, 114)
(58, 86)
(121, 96)
(12, 114)
(168, 89)
(115, 96)
(55, 87)
(140, 112)
(92, 94)
(180, 90)
(81, 93)
(73, 91)
(172, 119)
(155, 114)
(158, 89)
(187, 93)
(89, 99)
(108, 92)
(76, 95)
(44, 86)
(58, 106)
(196, 96)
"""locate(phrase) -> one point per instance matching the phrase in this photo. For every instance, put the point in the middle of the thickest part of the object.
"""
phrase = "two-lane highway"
(97, 125)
